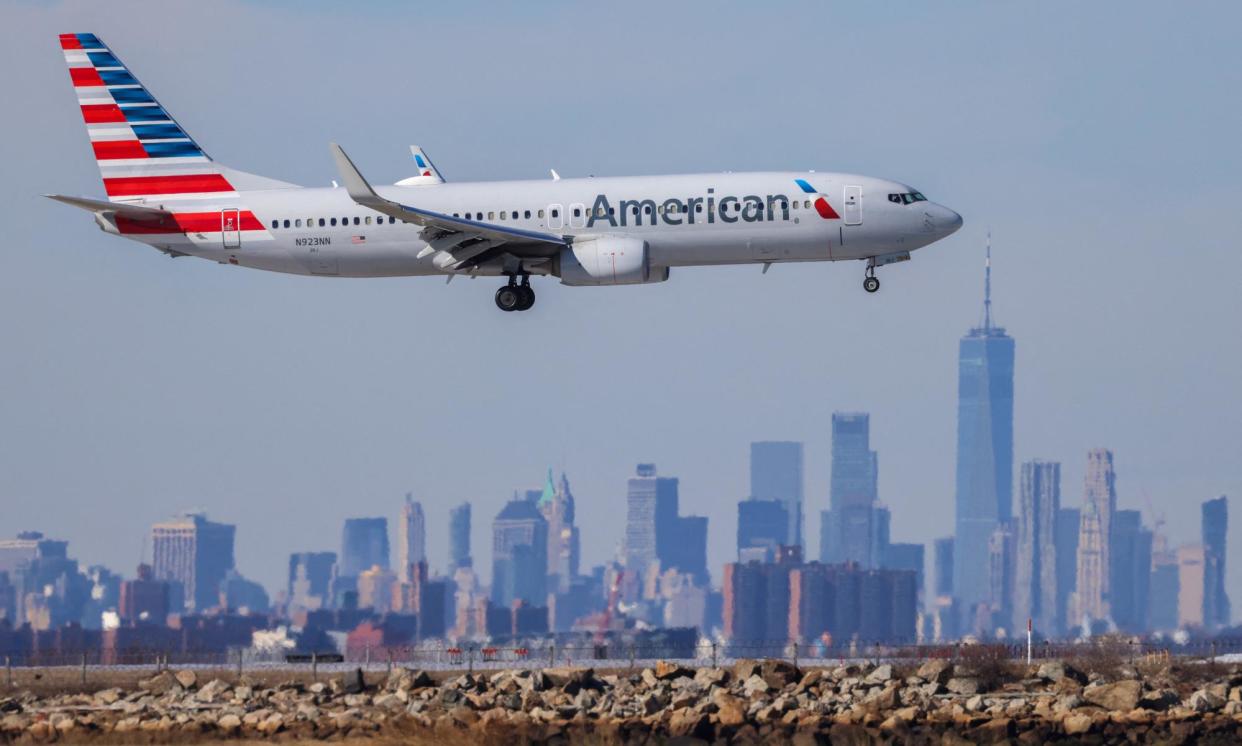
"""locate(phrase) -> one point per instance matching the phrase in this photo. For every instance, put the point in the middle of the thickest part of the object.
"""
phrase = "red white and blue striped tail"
(141, 150)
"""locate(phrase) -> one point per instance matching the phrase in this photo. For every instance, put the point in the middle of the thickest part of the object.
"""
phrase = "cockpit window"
(906, 198)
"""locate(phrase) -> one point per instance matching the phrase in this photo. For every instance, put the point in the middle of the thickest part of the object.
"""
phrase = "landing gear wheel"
(509, 298)
(871, 284)
(527, 299)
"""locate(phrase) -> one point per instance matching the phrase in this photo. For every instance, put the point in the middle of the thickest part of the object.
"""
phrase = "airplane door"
(230, 227)
(556, 216)
(577, 215)
(853, 205)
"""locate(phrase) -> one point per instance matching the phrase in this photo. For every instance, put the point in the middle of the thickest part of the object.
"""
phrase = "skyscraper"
(761, 525)
(1091, 593)
(411, 538)
(1069, 522)
(1035, 571)
(984, 448)
(310, 577)
(196, 553)
(1129, 571)
(459, 538)
(364, 544)
(1190, 585)
(852, 531)
(776, 474)
(944, 566)
(520, 555)
(1214, 530)
(651, 518)
(556, 504)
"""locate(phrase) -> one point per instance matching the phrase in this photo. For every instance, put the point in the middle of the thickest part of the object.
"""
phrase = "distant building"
(852, 531)
(1165, 593)
(310, 579)
(908, 557)
(197, 554)
(1214, 535)
(237, 594)
(651, 511)
(459, 538)
(1000, 580)
(944, 566)
(143, 599)
(1129, 571)
(519, 555)
(556, 504)
(1069, 522)
(364, 545)
(411, 537)
(984, 493)
(688, 553)
(1035, 571)
(1190, 585)
(776, 473)
(761, 524)
(1091, 593)
(376, 587)
(427, 599)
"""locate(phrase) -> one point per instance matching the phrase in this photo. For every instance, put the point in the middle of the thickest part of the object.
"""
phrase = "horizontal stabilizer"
(132, 212)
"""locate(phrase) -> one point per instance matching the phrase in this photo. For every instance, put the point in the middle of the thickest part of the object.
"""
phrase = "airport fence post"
(795, 654)
(314, 666)
(1213, 652)
(367, 660)
(8, 669)
(469, 659)
(240, 662)
(552, 654)
(84, 668)
(713, 654)
(389, 660)
(631, 656)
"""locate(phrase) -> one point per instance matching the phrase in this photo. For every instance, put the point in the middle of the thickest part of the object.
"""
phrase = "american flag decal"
(358, 239)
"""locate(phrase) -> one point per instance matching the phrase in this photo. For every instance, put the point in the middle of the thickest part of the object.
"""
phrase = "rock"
(211, 690)
(729, 709)
(1076, 725)
(1159, 700)
(667, 671)
(937, 670)
(186, 678)
(1205, 701)
(108, 696)
(1121, 696)
(755, 684)
(229, 723)
(881, 675)
(711, 677)
(159, 684)
(571, 680)
(1058, 670)
(975, 703)
(354, 682)
(388, 702)
(779, 674)
(966, 686)
(847, 671)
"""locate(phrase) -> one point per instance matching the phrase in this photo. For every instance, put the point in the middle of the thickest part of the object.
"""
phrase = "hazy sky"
(1097, 140)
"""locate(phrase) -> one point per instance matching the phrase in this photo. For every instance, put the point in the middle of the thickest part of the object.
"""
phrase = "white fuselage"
(685, 220)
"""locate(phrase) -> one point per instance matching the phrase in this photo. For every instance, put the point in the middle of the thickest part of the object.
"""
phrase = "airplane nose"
(947, 220)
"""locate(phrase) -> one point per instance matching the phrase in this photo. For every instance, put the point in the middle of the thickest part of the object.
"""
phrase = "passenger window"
(807, 204)
(556, 213)
(333, 221)
(321, 222)
(541, 213)
(275, 224)
(698, 208)
(528, 214)
(577, 212)
(297, 223)
(659, 209)
(286, 225)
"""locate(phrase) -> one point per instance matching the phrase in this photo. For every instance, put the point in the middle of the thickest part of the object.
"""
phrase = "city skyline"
(141, 384)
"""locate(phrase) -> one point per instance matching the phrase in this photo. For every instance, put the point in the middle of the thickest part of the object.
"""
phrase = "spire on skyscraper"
(987, 285)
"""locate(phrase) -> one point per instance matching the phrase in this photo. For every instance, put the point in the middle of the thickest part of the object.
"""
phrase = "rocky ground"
(751, 702)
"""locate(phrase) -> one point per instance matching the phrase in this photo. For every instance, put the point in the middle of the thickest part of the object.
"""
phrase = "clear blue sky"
(1097, 140)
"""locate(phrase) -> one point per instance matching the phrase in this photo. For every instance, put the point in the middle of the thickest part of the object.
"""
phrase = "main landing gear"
(515, 297)
(871, 283)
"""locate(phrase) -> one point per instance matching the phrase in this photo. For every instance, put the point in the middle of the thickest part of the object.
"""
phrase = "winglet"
(555, 175)
(359, 190)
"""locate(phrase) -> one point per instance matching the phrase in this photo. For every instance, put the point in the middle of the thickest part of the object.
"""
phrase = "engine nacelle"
(608, 260)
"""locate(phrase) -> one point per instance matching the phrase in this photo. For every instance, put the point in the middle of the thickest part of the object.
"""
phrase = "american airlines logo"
(750, 208)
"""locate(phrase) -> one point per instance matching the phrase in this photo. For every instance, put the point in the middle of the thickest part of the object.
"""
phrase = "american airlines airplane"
(165, 191)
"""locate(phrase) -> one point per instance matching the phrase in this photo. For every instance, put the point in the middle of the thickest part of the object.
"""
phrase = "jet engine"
(608, 260)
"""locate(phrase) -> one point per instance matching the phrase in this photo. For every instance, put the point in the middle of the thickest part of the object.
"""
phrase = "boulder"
(1159, 700)
(1205, 701)
(186, 678)
(212, 689)
(668, 670)
(966, 686)
(729, 709)
(937, 670)
(881, 675)
(1121, 696)
(1058, 670)
(779, 674)
(354, 682)
(746, 668)
(229, 723)
(1076, 725)
(160, 684)
(105, 697)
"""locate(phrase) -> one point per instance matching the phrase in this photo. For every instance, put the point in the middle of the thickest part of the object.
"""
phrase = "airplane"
(165, 191)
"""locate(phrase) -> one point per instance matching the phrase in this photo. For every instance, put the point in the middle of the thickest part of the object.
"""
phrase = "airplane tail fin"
(141, 151)
(428, 174)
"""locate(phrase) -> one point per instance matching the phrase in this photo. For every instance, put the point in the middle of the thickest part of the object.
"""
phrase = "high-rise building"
(520, 555)
(984, 449)
(688, 554)
(1129, 571)
(364, 544)
(196, 553)
(143, 600)
(853, 531)
(1190, 585)
(411, 538)
(1069, 522)
(651, 518)
(1091, 593)
(776, 473)
(310, 578)
(1162, 606)
(1214, 531)
(1000, 580)
(944, 567)
(907, 557)
(1035, 570)
(377, 589)
(556, 503)
(761, 524)
(459, 538)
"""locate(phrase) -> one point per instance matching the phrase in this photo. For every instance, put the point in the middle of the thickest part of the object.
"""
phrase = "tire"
(508, 298)
(871, 284)
(528, 297)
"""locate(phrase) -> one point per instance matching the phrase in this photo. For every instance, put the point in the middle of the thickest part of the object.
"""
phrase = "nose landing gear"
(871, 283)
(515, 297)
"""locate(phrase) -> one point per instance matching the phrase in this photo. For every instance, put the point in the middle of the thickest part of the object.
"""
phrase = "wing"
(460, 245)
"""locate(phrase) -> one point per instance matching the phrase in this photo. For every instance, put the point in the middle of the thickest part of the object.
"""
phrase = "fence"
(480, 657)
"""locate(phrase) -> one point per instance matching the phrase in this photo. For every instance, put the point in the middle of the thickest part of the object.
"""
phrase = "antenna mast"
(987, 285)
